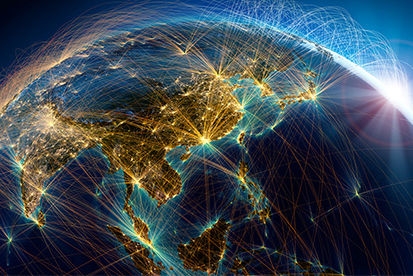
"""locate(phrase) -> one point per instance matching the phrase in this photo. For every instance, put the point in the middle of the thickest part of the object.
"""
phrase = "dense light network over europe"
(251, 138)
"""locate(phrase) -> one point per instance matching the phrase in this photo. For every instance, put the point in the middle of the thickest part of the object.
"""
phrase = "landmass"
(200, 112)
(204, 252)
(138, 253)
(137, 136)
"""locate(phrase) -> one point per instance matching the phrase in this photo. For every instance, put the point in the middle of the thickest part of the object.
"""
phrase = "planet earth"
(192, 147)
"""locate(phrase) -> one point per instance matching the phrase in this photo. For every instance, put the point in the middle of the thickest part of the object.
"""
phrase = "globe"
(188, 145)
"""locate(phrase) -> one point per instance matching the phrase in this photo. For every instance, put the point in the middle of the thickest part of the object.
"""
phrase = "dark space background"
(25, 24)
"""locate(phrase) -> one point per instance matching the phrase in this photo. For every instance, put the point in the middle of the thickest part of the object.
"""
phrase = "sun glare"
(400, 96)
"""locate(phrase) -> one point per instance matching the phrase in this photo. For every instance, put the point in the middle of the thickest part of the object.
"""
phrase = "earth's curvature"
(199, 146)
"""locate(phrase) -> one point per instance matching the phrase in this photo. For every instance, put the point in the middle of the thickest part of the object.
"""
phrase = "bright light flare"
(394, 88)
(400, 96)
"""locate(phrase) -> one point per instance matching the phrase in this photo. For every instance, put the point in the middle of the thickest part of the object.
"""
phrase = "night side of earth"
(204, 145)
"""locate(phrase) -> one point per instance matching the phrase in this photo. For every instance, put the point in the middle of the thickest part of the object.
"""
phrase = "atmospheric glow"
(398, 94)
(390, 83)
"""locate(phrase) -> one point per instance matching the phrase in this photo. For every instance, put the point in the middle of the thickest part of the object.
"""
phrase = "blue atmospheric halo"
(250, 139)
